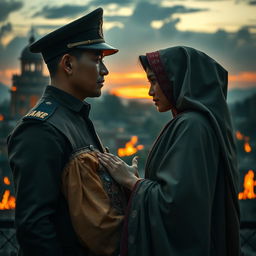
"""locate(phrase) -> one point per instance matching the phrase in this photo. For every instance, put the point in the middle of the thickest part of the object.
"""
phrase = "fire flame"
(8, 202)
(13, 88)
(239, 135)
(130, 147)
(7, 181)
(247, 146)
(249, 184)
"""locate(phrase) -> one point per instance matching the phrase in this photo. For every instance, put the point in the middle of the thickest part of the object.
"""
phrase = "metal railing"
(8, 243)
(9, 246)
(248, 238)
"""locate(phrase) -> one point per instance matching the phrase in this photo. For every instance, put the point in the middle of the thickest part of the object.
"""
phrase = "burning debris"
(247, 147)
(8, 201)
(1, 117)
(249, 184)
(246, 139)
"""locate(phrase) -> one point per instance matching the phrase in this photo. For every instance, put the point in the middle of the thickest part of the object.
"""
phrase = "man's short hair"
(53, 64)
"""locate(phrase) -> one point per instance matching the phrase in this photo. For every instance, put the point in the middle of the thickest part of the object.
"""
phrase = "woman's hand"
(123, 173)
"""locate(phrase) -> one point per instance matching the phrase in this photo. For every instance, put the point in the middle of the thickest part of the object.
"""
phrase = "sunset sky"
(225, 30)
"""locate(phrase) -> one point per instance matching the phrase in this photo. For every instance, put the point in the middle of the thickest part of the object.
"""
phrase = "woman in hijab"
(187, 203)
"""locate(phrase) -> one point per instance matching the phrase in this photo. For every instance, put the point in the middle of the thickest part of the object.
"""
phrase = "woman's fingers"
(106, 162)
(109, 163)
(115, 158)
(120, 171)
(135, 161)
(108, 158)
(111, 158)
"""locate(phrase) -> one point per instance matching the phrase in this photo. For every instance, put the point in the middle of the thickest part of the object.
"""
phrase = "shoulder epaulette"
(42, 111)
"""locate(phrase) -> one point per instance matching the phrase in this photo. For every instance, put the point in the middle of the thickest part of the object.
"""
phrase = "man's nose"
(103, 69)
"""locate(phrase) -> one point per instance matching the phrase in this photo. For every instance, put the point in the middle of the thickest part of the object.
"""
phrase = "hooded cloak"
(188, 204)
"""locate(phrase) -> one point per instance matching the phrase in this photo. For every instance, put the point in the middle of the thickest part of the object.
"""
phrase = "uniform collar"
(67, 100)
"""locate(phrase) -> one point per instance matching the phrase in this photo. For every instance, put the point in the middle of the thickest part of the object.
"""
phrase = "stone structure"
(29, 85)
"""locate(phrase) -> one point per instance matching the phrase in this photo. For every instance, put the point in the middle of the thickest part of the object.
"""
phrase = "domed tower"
(31, 62)
(29, 85)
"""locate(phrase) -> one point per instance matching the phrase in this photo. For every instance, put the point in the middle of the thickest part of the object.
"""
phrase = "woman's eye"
(152, 81)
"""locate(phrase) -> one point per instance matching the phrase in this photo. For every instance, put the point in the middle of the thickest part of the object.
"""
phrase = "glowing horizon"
(135, 85)
(132, 92)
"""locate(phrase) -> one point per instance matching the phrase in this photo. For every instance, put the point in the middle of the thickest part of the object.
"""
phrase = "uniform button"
(134, 213)
(48, 103)
(131, 239)
(91, 147)
(106, 178)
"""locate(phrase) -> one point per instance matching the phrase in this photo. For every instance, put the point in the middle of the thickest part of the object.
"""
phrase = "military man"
(59, 125)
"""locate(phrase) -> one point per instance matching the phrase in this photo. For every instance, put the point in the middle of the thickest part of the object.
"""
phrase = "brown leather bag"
(96, 203)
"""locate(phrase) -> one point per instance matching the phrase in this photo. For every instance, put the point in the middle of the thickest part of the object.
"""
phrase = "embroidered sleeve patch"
(42, 111)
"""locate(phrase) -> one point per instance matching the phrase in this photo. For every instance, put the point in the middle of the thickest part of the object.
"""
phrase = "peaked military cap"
(83, 33)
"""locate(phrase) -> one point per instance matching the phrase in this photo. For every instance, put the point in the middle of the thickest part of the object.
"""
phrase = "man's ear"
(66, 63)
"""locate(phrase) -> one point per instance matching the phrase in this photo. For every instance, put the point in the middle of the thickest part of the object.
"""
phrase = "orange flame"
(1, 117)
(8, 202)
(13, 88)
(247, 147)
(130, 147)
(239, 135)
(249, 184)
(7, 181)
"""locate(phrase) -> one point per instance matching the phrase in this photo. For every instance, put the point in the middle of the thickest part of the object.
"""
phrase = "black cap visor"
(106, 48)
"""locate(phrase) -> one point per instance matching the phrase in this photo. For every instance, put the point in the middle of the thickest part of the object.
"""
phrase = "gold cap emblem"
(100, 28)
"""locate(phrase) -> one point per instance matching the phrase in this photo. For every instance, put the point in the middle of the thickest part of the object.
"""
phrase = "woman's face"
(160, 100)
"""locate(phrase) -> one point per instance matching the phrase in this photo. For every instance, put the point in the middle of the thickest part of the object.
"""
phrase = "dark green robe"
(187, 204)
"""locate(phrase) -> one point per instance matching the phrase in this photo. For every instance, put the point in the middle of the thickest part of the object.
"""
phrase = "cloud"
(156, 12)
(252, 2)
(137, 35)
(5, 29)
(55, 12)
(47, 27)
(6, 7)
(250, 26)
(236, 51)
(116, 18)
(211, 0)
(105, 2)
(11, 53)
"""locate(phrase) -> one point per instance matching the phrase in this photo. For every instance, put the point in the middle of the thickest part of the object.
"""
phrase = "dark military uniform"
(39, 148)
(42, 143)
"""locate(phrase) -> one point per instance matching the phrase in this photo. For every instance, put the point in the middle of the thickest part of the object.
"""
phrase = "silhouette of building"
(26, 89)
(29, 85)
